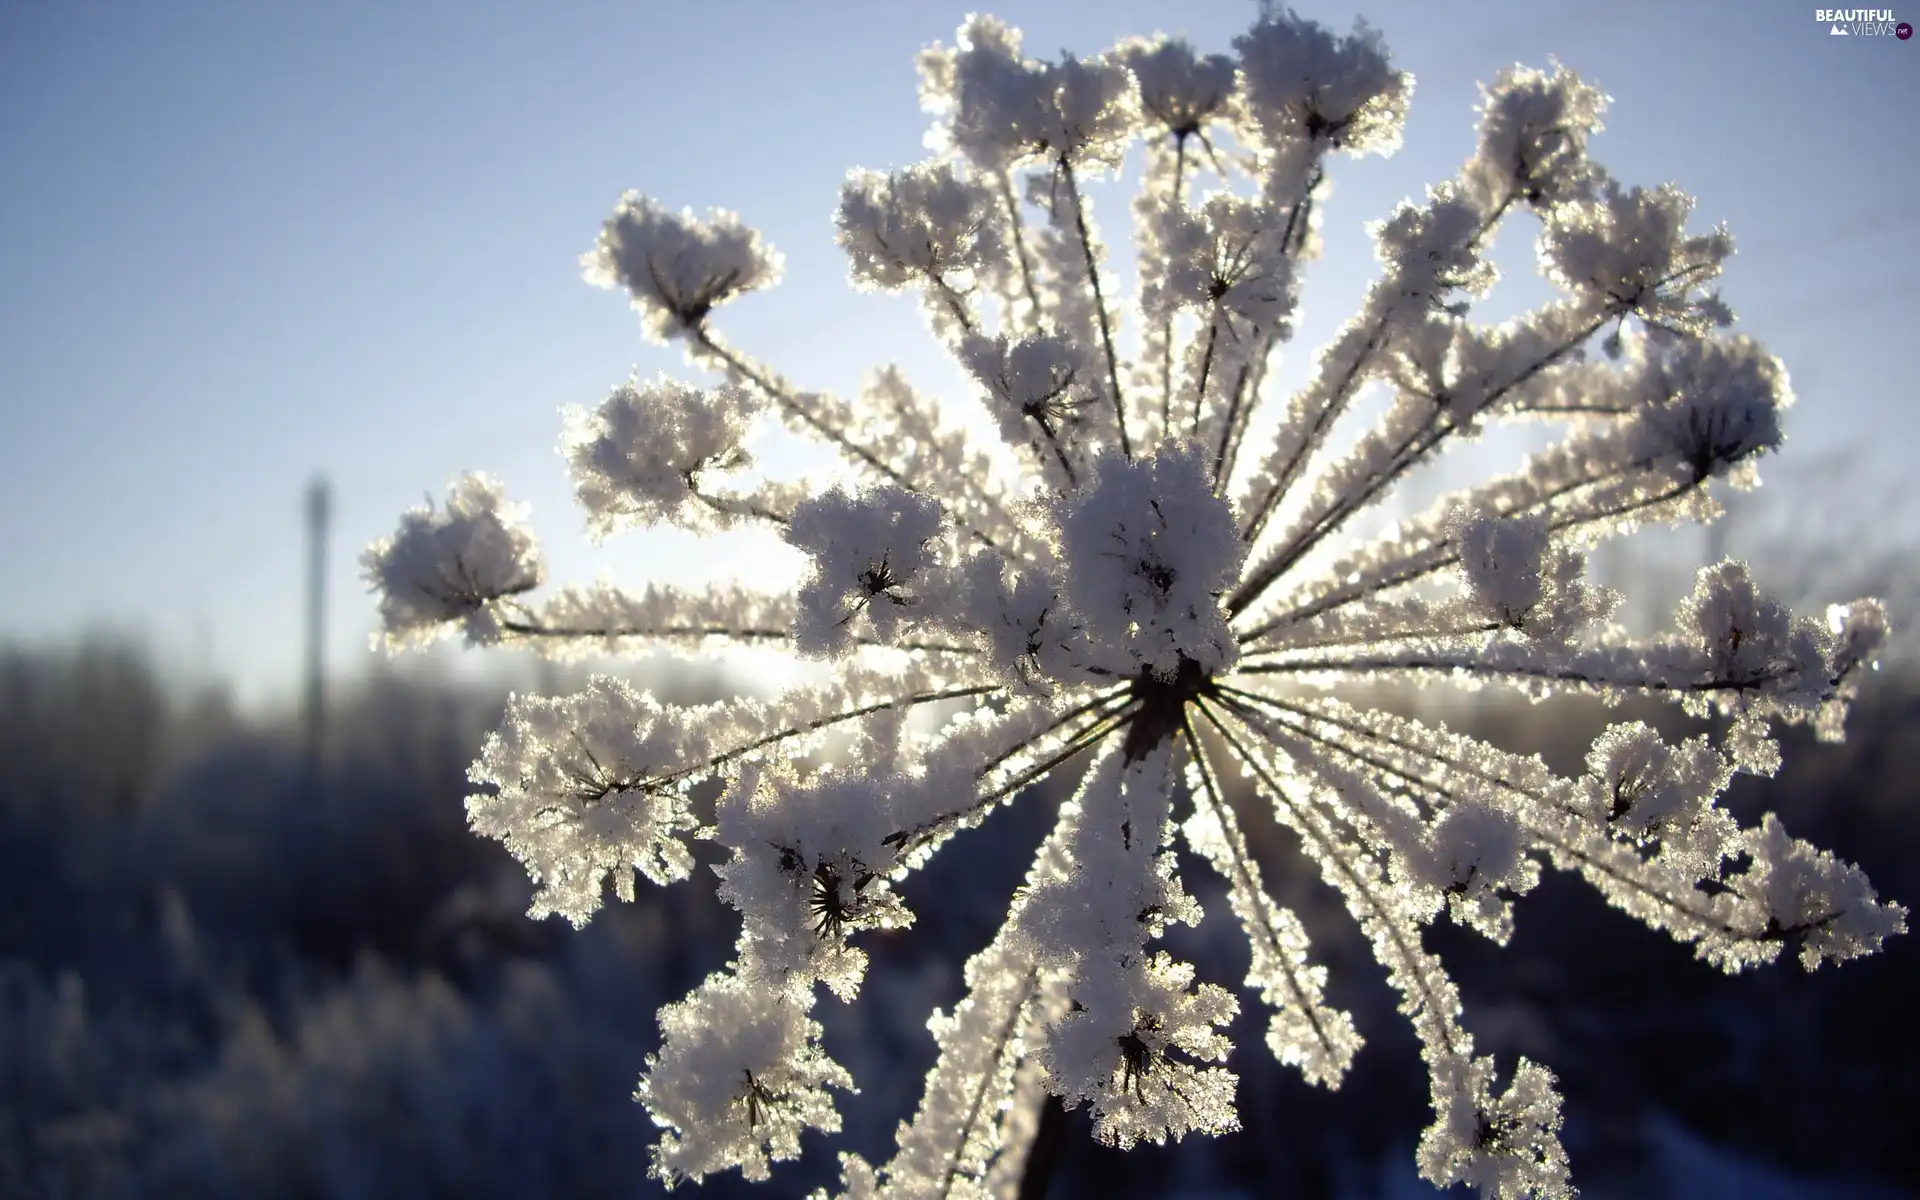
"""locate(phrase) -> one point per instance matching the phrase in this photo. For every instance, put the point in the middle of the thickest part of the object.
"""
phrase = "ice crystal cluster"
(1172, 608)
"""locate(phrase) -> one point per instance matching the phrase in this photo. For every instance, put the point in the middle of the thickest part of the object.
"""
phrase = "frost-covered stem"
(1404, 458)
(1292, 242)
(726, 507)
(1772, 932)
(1099, 301)
(1206, 369)
(1330, 409)
(1109, 722)
(1018, 228)
(605, 786)
(774, 390)
(1116, 714)
(813, 726)
(1413, 632)
(1431, 791)
(1307, 717)
(1510, 671)
(1317, 828)
(1362, 813)
(917, 423)
(1002, 1042)
(1105, 700)
(530, 628)
(1059, 453)
(984, 1056)
(1294, 238)
(1575, 520)
(1490, 223)
(1222, 463)
(1346, 595)
(1238, 431)
(1166, 328)
(1283, 559)
(534, 629)
(956, 303)
(1573, 410)
(1694, 917)
(1243, 875)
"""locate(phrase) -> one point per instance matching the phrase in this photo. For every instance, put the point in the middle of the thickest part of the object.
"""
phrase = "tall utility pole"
(318, 511)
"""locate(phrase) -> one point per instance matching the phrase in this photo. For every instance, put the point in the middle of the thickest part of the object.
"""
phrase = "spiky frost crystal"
(1140, 588)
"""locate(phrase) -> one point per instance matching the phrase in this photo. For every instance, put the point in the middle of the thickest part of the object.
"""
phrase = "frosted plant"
(1143, 591)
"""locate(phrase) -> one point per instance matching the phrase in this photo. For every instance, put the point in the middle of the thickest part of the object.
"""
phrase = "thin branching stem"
(1330, 409)
(1436, 795)
(1211, 793)
(1105, 699)
(727, 506)
(1004, 1040)
(1222, 462)
(1316, 827)
(1410, 633)
(1544, 409)
(1017, 225)
(1080, 741)
(1206, 369)
(1166, 326)
(955, 302)
(1467, 666)
(780, 394)
(1416, 449)
(525, 627)
(1060, 455)
(819, 723)
(1099, 301)
(1445, 558)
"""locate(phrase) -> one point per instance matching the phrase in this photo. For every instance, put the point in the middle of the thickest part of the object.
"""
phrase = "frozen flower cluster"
(1173, 609)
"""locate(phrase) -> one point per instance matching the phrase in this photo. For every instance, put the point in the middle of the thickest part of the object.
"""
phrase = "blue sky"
(245, 243)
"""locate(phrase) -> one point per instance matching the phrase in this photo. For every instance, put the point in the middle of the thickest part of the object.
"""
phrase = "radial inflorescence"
(1159, 585)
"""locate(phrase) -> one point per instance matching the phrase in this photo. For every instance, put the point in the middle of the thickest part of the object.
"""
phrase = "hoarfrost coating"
(1135, 591)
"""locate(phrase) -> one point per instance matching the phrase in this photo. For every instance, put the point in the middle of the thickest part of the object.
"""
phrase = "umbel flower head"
(1169, 607)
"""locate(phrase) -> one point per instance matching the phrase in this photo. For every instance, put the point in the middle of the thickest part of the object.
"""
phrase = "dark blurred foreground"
(215, 982)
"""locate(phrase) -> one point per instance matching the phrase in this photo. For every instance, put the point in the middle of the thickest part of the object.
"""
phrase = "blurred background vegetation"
(221, 976)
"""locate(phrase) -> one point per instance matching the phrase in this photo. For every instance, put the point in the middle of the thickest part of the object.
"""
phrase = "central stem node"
(1163, 705)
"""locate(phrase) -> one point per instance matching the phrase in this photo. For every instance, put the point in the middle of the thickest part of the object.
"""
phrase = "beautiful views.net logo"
(1862, 22)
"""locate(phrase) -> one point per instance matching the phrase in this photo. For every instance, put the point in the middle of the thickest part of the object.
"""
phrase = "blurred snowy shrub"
(390, 1085)
(1139, 585)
